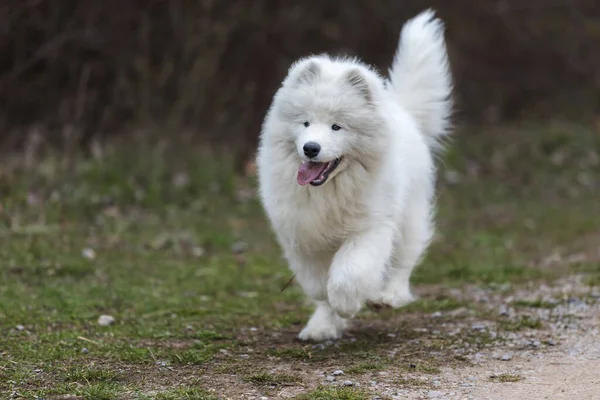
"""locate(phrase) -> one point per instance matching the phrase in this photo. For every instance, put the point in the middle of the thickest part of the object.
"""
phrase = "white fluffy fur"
(357, 238)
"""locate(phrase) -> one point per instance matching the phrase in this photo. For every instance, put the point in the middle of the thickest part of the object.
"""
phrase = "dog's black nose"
(311, 149)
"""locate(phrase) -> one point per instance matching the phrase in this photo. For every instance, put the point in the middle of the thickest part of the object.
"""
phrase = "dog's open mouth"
(316, 173)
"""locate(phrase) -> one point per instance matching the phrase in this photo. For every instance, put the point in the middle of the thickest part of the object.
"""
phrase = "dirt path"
(570, 369)
(567, 369)
(543, 342)
(570, 372)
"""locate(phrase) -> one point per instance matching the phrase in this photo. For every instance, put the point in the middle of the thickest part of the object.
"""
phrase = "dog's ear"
(308, 74)
(358, 81)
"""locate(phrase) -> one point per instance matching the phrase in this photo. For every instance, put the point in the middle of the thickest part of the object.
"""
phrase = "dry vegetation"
(86, 69)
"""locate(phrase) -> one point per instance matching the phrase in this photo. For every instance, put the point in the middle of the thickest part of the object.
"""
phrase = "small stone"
(88, 253)
(551, 342)
(338, 372)
(503, 310)
(20, 327)
(318, 346)
(198, 252)
(434, 394)
(478, 327)
(253, 329)
(106, 320)
(348, 383)
(330, 378)
(436, 314)
(85, 350)
(453, 177)
(239, 247)
(264, 398)
(161, 363)
(180, 179)
(506, 357)
(244, 195)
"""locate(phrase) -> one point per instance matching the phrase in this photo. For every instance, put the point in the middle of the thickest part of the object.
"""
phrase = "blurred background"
(83, 71)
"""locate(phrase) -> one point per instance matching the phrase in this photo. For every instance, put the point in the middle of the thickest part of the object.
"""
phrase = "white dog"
(346, 173)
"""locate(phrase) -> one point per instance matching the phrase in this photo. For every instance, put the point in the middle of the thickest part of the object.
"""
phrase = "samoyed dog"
(346, 173)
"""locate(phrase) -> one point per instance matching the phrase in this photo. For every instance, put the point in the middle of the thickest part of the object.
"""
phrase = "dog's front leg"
(311, 273)
(357, 270)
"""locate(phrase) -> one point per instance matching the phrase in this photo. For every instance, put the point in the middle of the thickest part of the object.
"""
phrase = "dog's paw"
(346, 303)
(321, 332)
(323, 325)
(396, 298)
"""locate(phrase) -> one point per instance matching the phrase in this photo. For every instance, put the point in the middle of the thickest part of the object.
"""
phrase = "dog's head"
(330, 109)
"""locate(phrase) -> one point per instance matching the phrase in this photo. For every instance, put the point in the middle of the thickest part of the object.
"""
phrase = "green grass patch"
(185, 394)
(431, 305)
(268, 379)
(91, 375)
(99, 391)
(335, 393)
(426, 367)
(523, 322)
(292, 353)
(506, 378)
(538, 303)
(366, 367)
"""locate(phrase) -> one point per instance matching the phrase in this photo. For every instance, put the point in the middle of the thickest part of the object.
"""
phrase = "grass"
(366, 367)
(521, 323)
(268, 379)
(185, 394)
(433, 304)
(506, 378)
(91, 375)
(537, 303)
(328, 393)
(169, 244)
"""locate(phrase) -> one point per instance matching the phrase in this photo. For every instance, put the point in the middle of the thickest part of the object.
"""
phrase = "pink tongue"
(309, 171)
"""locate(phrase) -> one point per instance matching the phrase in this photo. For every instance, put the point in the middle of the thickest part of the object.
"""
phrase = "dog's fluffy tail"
(420, 76)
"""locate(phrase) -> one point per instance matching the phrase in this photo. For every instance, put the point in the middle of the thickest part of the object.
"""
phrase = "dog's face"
(330, 111)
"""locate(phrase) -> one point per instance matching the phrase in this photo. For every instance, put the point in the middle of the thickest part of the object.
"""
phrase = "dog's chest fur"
(317, 219)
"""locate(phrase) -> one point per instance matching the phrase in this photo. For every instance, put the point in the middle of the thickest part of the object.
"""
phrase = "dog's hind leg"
(410, 245)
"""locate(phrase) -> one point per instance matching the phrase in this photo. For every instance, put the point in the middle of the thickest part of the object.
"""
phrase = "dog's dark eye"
(307, 124)
(336, 127)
